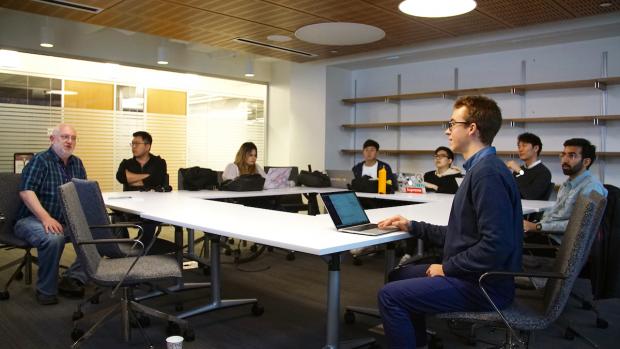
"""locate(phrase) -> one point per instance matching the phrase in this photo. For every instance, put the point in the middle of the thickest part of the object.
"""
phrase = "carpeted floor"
(293, 294)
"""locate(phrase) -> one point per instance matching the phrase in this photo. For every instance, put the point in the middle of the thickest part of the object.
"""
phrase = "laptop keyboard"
(363, 227)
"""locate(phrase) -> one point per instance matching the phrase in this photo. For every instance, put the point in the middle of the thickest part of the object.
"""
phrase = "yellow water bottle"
(382, 175)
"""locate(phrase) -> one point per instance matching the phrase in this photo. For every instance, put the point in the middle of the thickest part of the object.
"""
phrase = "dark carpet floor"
(294, 296)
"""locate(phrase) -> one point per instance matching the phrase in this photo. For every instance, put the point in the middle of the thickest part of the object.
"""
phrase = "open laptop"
(348, 215)
(277, 177)
(340, 178)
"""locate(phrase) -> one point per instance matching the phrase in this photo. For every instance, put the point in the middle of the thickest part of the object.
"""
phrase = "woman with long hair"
(245, 163)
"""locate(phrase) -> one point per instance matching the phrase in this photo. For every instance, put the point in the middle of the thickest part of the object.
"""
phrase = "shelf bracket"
(451, 96)
(517, 124)
(517, 91)
(598, 122)
(599, 85)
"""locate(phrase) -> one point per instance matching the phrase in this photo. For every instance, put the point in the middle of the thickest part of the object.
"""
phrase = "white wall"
(569, 61)
(297, 115)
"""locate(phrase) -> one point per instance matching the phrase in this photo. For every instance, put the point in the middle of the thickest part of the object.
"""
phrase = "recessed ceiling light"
(61, 92)
(279, 38)
(47, 37)
(391, 58)
(333, 51)
(436, 8)
(605, 4)
(339, 33)
(162, 55)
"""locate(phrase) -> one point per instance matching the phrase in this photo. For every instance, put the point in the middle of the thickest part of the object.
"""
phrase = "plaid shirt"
(43, 175)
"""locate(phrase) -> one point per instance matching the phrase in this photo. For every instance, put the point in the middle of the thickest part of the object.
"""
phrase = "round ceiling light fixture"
(436, 8)
(339, 33)
(279, 38)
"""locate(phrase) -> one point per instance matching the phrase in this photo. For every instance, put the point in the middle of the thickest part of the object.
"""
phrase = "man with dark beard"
(576, 158)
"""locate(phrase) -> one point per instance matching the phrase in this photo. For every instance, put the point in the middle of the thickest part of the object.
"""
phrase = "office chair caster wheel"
(19, 275)
(435, 342)
(178, 307)
(253, 248)
(569, 334)
(189, 335)
(349, 317)
(290, 256)
(601, 323)
(357, 261)
(173, 329)
(257, 309)
(77, 315)
(95, 300)
(76, 334)
(4, 295)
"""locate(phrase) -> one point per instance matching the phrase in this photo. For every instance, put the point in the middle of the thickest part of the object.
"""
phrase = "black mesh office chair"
(9, 205)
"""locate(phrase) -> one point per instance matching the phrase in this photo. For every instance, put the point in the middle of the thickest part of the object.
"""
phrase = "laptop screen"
(345, 209)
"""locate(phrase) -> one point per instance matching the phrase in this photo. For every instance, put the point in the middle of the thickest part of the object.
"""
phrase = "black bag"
(313, 179)
(251, 182)
(366, 184)
(198, 178)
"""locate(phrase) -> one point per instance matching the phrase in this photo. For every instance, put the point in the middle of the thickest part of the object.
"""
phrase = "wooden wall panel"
(90, 95)
(166, 102)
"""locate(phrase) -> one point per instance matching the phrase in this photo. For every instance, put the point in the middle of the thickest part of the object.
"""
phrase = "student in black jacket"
(371, 165)
(533, 177)
(443, 180)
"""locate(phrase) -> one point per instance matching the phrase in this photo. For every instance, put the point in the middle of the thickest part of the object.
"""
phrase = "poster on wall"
(20, 160)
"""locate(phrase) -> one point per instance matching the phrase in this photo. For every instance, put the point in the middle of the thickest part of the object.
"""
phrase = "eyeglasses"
(571, 156)
(135, 144)
(440, 156)
(68, 137)
(452, 123)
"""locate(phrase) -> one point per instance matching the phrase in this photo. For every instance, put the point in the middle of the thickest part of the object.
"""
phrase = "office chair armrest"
(534, 274)
(531, 246)
(120, 225)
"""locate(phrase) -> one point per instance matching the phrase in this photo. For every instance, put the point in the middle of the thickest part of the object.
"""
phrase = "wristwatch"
(538, 227)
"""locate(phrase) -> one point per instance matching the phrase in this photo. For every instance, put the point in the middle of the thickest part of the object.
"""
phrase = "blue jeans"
(49, 250)
(409, 295)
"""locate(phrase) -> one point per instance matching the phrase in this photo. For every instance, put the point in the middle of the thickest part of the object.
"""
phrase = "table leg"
(216, 298)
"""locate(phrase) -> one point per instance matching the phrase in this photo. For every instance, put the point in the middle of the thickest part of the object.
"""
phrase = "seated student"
(443, 180)
(576, 159)
(371, 165)
(245, 163)
(483, 234)
(144, 172)
(533, 177)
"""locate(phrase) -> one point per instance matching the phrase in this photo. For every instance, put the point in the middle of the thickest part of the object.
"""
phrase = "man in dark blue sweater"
(484, 233)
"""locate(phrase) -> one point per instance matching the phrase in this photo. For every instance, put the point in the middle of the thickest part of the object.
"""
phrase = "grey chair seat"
(147, 269)
(524, 314)
(10, 239)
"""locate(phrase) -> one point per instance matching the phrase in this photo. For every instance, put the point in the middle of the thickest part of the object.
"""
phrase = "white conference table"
(314, 235)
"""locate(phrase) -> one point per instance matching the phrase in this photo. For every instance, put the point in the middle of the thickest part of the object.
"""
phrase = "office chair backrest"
(550, 191)
(578, 237)
(77, 227)
(197, 178)
(95, 212)
(9, 201)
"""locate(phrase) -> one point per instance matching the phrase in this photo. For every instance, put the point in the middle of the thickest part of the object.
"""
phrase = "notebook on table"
(340, 178)
(348, 215)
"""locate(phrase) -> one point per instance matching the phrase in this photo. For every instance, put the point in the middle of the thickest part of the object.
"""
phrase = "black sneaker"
(44, 299)
(70, 287)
